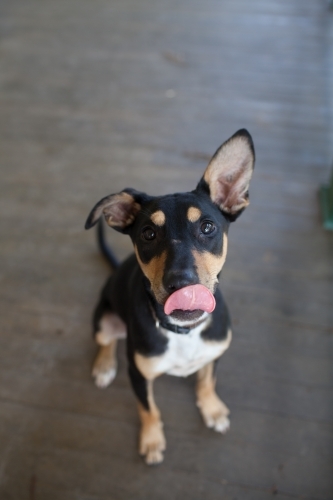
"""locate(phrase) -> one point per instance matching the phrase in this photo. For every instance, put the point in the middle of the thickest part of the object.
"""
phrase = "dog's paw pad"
(103, 378)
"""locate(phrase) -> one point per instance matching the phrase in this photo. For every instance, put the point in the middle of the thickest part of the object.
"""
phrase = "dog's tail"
(105, 249)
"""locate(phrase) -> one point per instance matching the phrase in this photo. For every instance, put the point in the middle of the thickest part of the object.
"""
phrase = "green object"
(326, 202)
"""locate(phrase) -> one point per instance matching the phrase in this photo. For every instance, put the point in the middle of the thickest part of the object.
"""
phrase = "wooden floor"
(99, 95)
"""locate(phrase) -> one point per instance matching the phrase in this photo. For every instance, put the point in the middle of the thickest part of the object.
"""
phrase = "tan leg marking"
(213, 410)
(105, 365)
(150, 367)
(152, 440)
(110, 327)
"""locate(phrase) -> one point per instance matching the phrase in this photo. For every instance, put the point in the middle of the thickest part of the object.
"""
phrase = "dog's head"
(181, 239)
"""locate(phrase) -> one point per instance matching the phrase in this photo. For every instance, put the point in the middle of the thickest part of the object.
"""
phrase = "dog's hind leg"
(213, 410)
(151, 441)
(110, 329)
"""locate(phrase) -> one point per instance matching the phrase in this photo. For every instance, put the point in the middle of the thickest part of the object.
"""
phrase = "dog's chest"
(184, 355)
(188, 353)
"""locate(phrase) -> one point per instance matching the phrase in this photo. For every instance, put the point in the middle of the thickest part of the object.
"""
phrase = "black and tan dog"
(165, 297)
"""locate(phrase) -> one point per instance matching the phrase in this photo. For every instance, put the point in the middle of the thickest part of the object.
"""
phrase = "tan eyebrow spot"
(158, 218)
(193, 214)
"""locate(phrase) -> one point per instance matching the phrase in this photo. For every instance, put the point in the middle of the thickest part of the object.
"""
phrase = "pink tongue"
(191, 298)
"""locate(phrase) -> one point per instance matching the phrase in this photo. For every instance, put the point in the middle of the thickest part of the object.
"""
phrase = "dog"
(164, 298)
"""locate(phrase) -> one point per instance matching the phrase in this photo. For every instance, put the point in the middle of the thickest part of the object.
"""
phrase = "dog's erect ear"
(119, 209)
(228, 174)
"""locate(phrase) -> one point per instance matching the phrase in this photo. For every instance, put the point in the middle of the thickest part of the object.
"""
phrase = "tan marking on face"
(154, 271)
(193, 214)
(209, 265)
(152, 440)
(158, 218)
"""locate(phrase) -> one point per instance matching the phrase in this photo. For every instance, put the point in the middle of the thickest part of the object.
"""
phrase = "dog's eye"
(207, 227)
(148, 234)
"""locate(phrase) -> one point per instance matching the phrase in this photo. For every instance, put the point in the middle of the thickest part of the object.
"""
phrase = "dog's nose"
(174, 280)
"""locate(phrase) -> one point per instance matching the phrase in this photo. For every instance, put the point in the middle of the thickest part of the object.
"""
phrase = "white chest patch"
(185, 355)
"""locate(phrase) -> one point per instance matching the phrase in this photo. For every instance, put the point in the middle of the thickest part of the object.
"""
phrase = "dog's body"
(164, 296)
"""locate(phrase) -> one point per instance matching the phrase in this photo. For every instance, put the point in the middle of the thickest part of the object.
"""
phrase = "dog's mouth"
(191, 300)
(186, 316)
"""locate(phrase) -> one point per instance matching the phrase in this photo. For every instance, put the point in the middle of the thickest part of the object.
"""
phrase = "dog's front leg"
(213, 410)
(152, 441)
(109, 327)
(105, 365)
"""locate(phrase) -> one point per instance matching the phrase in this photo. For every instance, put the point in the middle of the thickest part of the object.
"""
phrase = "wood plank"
(86, 110)
(85, 445)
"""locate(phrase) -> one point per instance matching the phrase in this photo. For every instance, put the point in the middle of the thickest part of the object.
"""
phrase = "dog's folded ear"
(227, 177)
(119, 209)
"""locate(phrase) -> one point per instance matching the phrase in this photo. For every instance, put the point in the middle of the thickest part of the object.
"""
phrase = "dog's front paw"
(215, 413)
(105, 367)
(152, 443)
(103, 378)
(218, 422)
